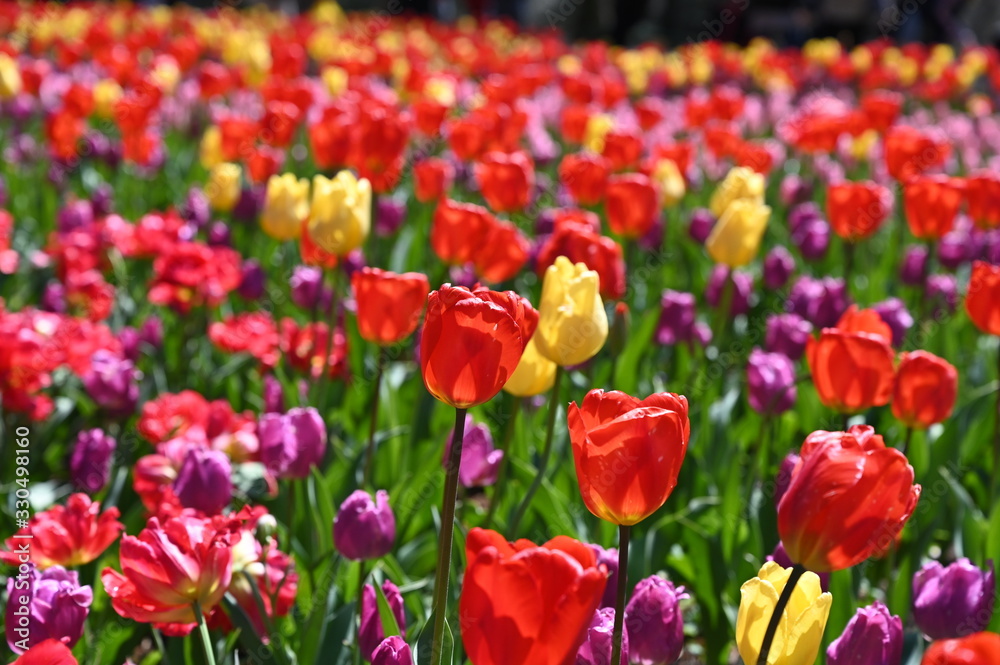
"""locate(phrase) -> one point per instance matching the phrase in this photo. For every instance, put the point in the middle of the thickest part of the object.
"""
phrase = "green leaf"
(389, 625)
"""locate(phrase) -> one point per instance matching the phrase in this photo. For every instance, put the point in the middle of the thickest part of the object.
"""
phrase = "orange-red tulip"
(312, 254)
(982, 191)
(503, 254)
(982, 301)
(432, 178)
(931, 204)
(910, 152)
(506, 180)
(472, 341)
(573, 122)
(880, 109)
(389, 304)
(622, 148)
(976, 649)
(852, 364)
(631, 205)
(580, 243)
(459, 230)
(47, 652)
(925, 390)
(524, 603)
(585, 176)
(848, 500)
(857, 209)
(628, 451)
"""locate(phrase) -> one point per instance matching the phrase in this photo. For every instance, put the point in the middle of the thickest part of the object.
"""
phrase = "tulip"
(677, 320)
(68, 536)
(371, 633)
(895, 315)
(504, 253)
(770, 382)
(204, 481)
(496, 629)
(669, 181)
(364, 528)
(392, 651)
(955, 600)
(535, 374)
(909, 152)
(925, 389)
(941, 291)
(736, 237)
(472, 342)
(913, 270)
(982, 301)
(389, 304)
(286, 206)
(292, 443)
(480, 461)
(580, 242)
(585, 176)
(49, 605)
(505, 180)
(857, 209)
(819, 301)
(112, 382)
(609, 559)
(800, 629)
(390, 213)
(90, 463)
(459, 231)
(778, 268)
(740, 283)
(931, 204)
(631, 204)
(572, 324)
(848, 500)
(873, 636)
(306, 287)
(978, 649)
(787, 334)
(982, 191)
(700, 227)
(741, 183)
(223, 187)
(852, 364)
(597, 643)
(432, 178)
(10, 77)
(628, 452)
(654, 622)
(341, 212)
(219, 235)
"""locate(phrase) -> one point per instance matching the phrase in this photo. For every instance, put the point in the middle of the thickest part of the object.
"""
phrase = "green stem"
(996, 443)
(798, 570)
(501, 482)
(370, 450)
(206, 640)
(848, 264)
(546, 456)
(624, 531)
(443, 574)
(357, 610)
(721, 326)
(906, 441)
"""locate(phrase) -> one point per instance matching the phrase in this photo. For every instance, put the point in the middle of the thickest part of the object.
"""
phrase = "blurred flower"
(821, 302)
(931, 204)
(955, 600)
(736, 237)
(432, 179)
(585, 175)
(873, 636)
(274, 396)
(654, 622)
(677, 320)
(894, 313)
(480, 461)
(204, 481)
(112, 382)
(609, 559)
(857, 209)
(741, 288)
(597, 642)
(770, 382)
(741, 183)
(389, 305)
(700, 226)
(535, 374)
(292, 443)
(779, 555)
(74, 215)
(286, 206)
(389, 215)
(219, 235)
(306, 287)
(631, 204)
(363, 528)
(787, 334)
(340, 216)
(48, 605)
(982, 301)
(980, 648)
(572, 323)
(982, 190)
(252, 280)
(223, 187)
(47, 652)
(778, 268)
(90, 462)
(506, 180)
(196, 209)
(910, 152)
(576, 238)
(371, 633)
(925, 389)
(392, 651)
(941, 291)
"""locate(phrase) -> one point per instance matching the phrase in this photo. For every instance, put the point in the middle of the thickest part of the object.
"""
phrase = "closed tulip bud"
(978, 649)
(90, 463)
(800, 631)
(292, 443)
(274, 396)
(631, 204)
(252, 280)
(340, 217)
(506, 180)
(597, 641)
(223, 187)
(819, 301)
(112, 382)
(389, 215)
(913, 270)
(364, 528)
(931, 204)
(628, 452)
(700, 227)
(770, 382)
(942, 292)
(873, 636)
(609, 559)
(286, 205)
(388, 304)
(654, 622)
(432, 178)
(585, 176)
(371, 633)
(572, 324)
(955, 248)
(56, 606)
(787, 334)
(535, 374)
(677, 318)
(895, 315)
(306, 286)
(741, 287)
(670, 181)
(740, 183)
(480, 460)
(925, 389)
(955, 600)
(778, 268)
(812, 238)
(392, 651)
(204, 481)
(982, 301)
(736, 237)
(857, 209)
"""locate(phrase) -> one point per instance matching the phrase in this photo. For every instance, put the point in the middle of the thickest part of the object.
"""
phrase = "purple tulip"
(307, 286)
(794, 190)
(802, 214)
(151, 331)
(75, 215)
(252, 280)
(913, 270)
(250, 203)
(353, 262)
(480, 461)
(990, 251)
(90, 462)
(780, 557)
(784, 477)
(954, 249)
(942, 292)
(392, 651)
(770, 382)
(654, 622)
(740, 289)
(370, 633)
(219, 235)
(609, 558)
(363, 528)
(389, 215)
(204, 481)
(677, 319)
(701, 225)
(54, 298)
(787, 334)
(102, 200)
(196, 209)
(112, 382)
(953, 601)
(819, 301)
(873, 636)
(598, 640)
(893, 311)
(778, 267)
(45, 605)
(291, 443)
(129, 338)
(274, 396)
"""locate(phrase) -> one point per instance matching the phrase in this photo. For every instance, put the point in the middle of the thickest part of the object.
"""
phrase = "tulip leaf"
(424, 645)
(389, 625)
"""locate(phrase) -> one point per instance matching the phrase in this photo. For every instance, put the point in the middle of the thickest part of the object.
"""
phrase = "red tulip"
(880, 109)
(852, 364)
(472, 342)
(848, 500)
(432, 178)
(925, 389)
(168, 568)
(982, 191)
(622, 149)
(976, 649)
(47, 652)
(503, 254)
(68, 536)
(910, 152)
(628, 452)
(931, 203)
(506, 180)
(585, 176)
(459, 230)
(631, 205)
(982, 301)
(857, 209)
(580, 243)
(389, 304)
(312, 254)
(527, 604)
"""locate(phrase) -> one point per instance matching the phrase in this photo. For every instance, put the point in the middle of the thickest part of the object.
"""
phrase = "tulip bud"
(307, 286)
(609, 559)
(942, 292)
(955, 248)
(195, 209)
(204, 481)
(151, 331)
(252, 280)
(701, 224)
(392, 651)
(953, 601)
(654, 622)
(57, 606)
(340, 217)
(389, 215)
(778, 268)
(286, 205)
(75, 215)
(787, 334)
(266, 529)
(821, 302)
(480, 461)
(535, 374)
(363, 528)
(54, 297)
(112, 382)
(740, 289)
(597, 642)
(249, 204)
(90, 463)
(291, 443)
(873, 636)
(223, 187)
(770, 382)
(893, 311)
(128, 337)
(741, 183)
(736, 237)
(572, 323)
(371, 633)
(218, 235)
(274, 396)
(913, 270)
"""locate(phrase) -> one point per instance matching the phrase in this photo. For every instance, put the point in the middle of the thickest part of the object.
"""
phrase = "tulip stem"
(546, 455)
(798, 570)
(723, 315)
(848, 264)
(357, 609)
(443, 573)
(624, 531)
(206, 640)
(907, 439)
(508, 434)
(370, 450)
(996, 443)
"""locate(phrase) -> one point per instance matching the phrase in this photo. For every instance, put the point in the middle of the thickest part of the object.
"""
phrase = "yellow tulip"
(740, 183)
(597, 128)
(800, 632)
(735, 238)
(210, 149)
(670, 181)
(572, 323)
(335, 80)
(341, 212)
(10, 77)
(286, 206)
(223, 187)
(107, 92)
(535, 374)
